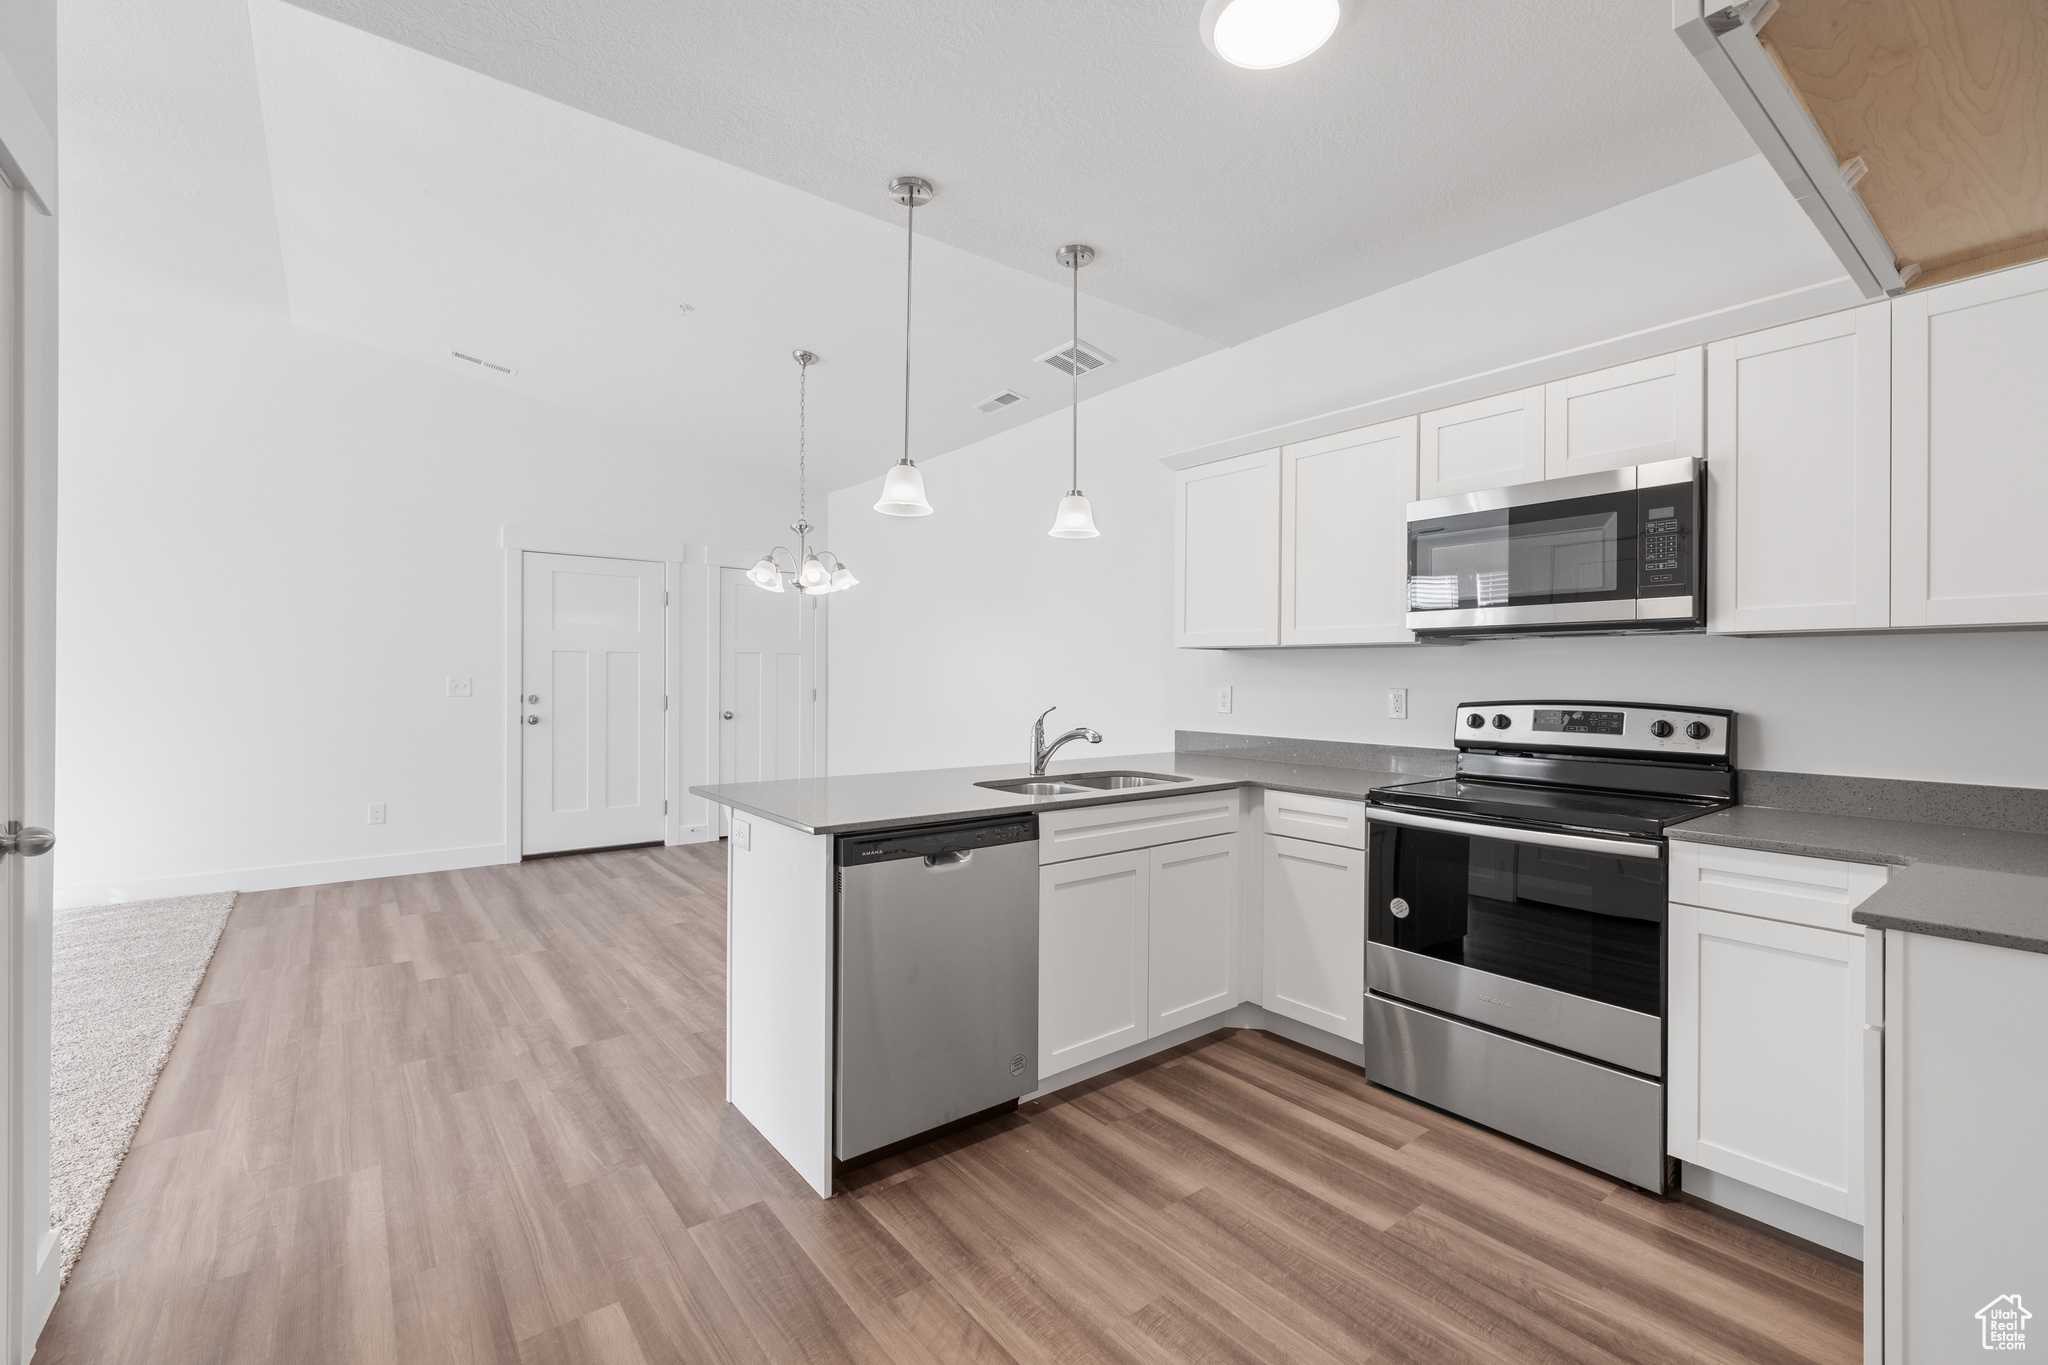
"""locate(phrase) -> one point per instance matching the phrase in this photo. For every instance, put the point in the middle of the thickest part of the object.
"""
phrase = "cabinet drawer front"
(1783, 886)
(1092, 830)
(1322, 819)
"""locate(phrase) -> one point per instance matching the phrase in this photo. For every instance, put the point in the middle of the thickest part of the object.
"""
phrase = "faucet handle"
(1043, 714)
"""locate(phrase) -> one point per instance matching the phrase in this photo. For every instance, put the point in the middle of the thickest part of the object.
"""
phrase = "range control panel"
(1594, 727)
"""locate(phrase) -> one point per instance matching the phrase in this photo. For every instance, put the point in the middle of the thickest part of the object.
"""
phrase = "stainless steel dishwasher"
(938, 977)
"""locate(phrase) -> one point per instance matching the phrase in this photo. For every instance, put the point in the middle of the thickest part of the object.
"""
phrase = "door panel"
(1315, 934)
(1093, 933)
(1491, 443)
(1227, 553)
(1799, 439)
(596, 657)
(1193, 928)
(1344, 536)
(766, 672)
(1628, 415)
(1970, 403)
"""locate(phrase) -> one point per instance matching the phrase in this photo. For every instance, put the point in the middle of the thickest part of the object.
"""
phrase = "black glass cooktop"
(1531, 804)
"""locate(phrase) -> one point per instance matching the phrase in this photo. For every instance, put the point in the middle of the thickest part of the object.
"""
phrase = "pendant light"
(903, 485)
(812, 572)
(1075, 520)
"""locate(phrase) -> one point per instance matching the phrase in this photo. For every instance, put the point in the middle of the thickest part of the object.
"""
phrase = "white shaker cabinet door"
(1315, 934)
(1227, 553)
(1093, 932)
(1799, 479)
(1490, 443)
(1344, 536)
(1194, 930)
(1631, 414)
(1970, 451)
(1765, 1072)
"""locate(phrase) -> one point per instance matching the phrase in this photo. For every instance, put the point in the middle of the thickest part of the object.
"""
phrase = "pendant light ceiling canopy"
(1075, 519)
(811, 572)
(903, 486)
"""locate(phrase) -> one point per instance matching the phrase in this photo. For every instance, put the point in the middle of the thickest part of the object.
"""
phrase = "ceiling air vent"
(490, 365)
(1082, 359)
(1008, 398)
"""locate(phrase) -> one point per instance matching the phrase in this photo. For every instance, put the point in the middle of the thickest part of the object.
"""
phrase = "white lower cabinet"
(1094, 927)
(1315, 934)
(1765, 1066)
(1194, 899)
(1132, 945)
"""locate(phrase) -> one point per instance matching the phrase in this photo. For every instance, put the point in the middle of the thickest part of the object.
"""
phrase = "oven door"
(1554, 937)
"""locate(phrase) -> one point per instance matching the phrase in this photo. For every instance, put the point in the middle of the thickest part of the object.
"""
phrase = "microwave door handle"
(1588, 843)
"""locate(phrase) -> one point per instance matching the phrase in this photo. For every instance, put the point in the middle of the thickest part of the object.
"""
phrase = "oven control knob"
(1698, 730)
(1399, 907)
(1501, 721)
(1475, 721)
(1661, 729)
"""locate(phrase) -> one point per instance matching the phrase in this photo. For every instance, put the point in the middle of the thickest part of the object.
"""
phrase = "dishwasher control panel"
(925, 841)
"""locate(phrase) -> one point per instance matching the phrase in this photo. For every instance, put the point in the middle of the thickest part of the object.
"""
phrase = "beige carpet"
(123, 977)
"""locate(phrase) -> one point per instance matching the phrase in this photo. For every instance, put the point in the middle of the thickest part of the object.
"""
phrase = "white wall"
(970, 621)
(276, 545)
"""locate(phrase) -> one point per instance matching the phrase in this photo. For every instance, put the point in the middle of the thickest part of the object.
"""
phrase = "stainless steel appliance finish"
(1607, 1032)
(1041, 752)
(1515, 953)
(1596, 1115)
(1619, 551)
(938, 977)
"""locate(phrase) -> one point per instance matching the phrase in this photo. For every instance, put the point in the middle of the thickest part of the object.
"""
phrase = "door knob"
(728, 715)
(29, 842)
(533, 720)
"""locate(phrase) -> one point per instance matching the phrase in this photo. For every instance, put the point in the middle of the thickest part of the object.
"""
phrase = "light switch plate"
(1397, 703)
(1223, 700)
(458, 687)
(742, 836)
(376, 812)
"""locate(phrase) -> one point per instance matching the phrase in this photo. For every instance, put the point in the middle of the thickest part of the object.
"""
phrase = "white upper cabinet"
(1632, 414)
(1488, 444)
(1344, 536)
(1799, 494)
(1227, 553)
(1970, 451)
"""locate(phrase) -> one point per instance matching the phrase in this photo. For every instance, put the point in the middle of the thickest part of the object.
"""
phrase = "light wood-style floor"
(478, 1117)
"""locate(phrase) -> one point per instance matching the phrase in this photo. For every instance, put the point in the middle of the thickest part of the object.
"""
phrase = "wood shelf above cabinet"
(1946, 102)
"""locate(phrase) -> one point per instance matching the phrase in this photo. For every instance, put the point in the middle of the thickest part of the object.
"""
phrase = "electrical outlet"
(376, 812)
(742, 836)
(458, 687)
(1223, 700)
(1397, 703)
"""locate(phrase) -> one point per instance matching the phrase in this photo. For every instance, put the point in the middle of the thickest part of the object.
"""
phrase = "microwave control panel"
(1664, 540)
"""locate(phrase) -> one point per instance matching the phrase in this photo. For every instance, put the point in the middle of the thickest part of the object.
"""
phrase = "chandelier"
(813, 572)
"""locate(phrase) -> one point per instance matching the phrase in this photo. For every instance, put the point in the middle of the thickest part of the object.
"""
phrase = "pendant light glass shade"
(765, 574)
(814, 577)
(903, 492)
(842, 579)
(903, 485)
(1075, 520)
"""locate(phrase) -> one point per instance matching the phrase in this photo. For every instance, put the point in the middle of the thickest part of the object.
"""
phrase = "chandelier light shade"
(1075, 519)
(903, 486)
(811, 572)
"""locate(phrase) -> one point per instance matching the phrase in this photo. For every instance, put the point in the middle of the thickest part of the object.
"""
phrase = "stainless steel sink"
(1121, 781)
(1035, 786)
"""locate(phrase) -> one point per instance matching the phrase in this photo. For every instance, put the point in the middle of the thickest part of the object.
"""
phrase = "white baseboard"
(1786, 1215)
(281, 876)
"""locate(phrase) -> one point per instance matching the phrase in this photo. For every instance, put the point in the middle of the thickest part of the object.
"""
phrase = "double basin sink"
(1076, 784)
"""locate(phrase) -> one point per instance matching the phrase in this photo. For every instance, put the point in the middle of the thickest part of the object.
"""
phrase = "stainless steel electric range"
(1515, 947)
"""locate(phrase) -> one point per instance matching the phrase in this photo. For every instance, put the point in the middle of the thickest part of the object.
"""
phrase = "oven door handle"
(1588, 843)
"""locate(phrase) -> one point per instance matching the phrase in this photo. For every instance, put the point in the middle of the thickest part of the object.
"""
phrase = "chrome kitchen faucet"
(1041, 752)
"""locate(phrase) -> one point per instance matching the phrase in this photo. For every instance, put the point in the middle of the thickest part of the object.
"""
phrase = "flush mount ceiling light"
(811, 572)
(1075, 519)
(1263, 34)
(903, 485)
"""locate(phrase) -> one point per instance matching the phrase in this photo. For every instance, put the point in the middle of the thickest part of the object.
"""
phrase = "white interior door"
(767, 688)
(592, 702)
(28, 515)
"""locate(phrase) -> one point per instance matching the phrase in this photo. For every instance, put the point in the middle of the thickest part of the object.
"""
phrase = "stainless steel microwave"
(1622, 550)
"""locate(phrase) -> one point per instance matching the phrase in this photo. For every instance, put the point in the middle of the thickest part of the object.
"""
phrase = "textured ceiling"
(1226, 202)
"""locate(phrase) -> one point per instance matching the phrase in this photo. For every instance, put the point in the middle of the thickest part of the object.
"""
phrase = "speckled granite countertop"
(1955, 881)
(840, 805)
